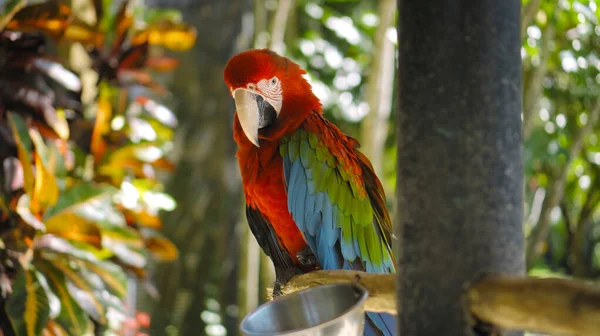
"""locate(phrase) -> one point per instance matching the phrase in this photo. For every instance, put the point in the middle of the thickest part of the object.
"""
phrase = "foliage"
(80, 196)
(561, 42)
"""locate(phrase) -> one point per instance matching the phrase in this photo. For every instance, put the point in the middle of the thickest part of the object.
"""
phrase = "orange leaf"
(128, 77)
(101, 127)
(123, 20)
(162, 63)
(52, 17)
(164, 164)
(143, 218)
(162, 248)
(134, 57)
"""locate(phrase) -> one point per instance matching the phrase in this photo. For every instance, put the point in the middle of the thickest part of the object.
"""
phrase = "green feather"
(313, 140)
(374, 245)
(360, 236)
(321, 154)
(305, 153)
(294, 149)
(343, 173)
(331, 161)
(283, 149)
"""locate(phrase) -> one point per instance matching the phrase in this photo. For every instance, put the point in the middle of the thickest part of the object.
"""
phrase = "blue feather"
(286, 169)
(384, 322)
(309, 212)
(314, 223)
(319, 202)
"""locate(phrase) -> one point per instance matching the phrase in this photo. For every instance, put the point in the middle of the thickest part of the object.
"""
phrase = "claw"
(307, 258)
(282, 276)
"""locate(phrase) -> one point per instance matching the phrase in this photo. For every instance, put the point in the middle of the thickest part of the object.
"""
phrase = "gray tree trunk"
(206, 183)
(460, 168)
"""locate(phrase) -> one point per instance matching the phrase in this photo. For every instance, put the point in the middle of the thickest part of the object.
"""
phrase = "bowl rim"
(363, 297)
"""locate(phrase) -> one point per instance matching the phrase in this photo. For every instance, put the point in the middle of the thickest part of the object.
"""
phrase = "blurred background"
(190, 186)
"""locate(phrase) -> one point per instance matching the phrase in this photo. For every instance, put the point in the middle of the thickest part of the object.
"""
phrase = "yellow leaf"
(177, 37)
(71, 226)
(45, 192)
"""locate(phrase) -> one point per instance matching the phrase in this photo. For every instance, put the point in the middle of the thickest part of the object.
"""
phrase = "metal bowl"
(336, 309)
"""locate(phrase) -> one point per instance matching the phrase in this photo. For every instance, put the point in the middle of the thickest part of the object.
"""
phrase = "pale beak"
(253, 112)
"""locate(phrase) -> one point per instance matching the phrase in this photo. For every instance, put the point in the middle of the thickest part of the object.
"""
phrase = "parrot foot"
(282, 276)
(307, 258)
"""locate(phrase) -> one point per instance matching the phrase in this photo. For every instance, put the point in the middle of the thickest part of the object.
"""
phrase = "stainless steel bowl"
(336, 309)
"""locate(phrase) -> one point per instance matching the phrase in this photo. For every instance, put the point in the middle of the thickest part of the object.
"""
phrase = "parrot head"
(271, 95)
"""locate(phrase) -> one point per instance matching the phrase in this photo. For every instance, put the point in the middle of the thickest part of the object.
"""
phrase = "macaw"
(312, 198)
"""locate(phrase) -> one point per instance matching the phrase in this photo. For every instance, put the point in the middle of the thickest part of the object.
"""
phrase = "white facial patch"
(271, 91)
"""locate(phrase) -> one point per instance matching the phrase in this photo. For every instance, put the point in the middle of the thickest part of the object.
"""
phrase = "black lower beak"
(266, 112)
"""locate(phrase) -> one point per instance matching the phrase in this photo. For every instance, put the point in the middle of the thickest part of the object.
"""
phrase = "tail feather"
(377, 324)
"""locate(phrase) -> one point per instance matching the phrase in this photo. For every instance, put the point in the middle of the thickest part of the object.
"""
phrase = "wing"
(335, 198)
(267, 239)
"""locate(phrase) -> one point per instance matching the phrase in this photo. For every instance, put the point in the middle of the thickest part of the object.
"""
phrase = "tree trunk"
(379, 88)
(460, 170)
(206, 183)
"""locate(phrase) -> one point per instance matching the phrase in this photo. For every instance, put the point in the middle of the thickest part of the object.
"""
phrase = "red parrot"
(312, 198)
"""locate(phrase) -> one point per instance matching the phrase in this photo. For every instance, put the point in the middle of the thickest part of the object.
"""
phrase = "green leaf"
(109, 273)
(85, 291)
(72, 317)
(27, 307)
(112, 275)
(77, 196)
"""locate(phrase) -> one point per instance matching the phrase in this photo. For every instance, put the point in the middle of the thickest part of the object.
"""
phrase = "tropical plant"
(80, 195)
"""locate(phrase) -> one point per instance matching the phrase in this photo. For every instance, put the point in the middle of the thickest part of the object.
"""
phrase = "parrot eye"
(274, 81)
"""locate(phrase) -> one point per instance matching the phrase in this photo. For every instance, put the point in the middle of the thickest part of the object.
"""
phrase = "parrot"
(313, 200)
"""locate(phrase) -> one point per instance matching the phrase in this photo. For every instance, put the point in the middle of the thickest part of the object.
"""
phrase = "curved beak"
(253, 112)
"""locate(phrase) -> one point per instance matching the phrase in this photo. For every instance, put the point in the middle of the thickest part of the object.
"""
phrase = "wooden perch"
(554, 306)
(381, 287)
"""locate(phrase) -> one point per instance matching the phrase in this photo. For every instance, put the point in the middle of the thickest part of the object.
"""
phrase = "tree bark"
(460, 170)
(379, 88)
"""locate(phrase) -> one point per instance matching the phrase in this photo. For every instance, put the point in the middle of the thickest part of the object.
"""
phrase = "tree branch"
(555, 306)
(528, 14)
(379, 88)
(534, 85)
(279, 24)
